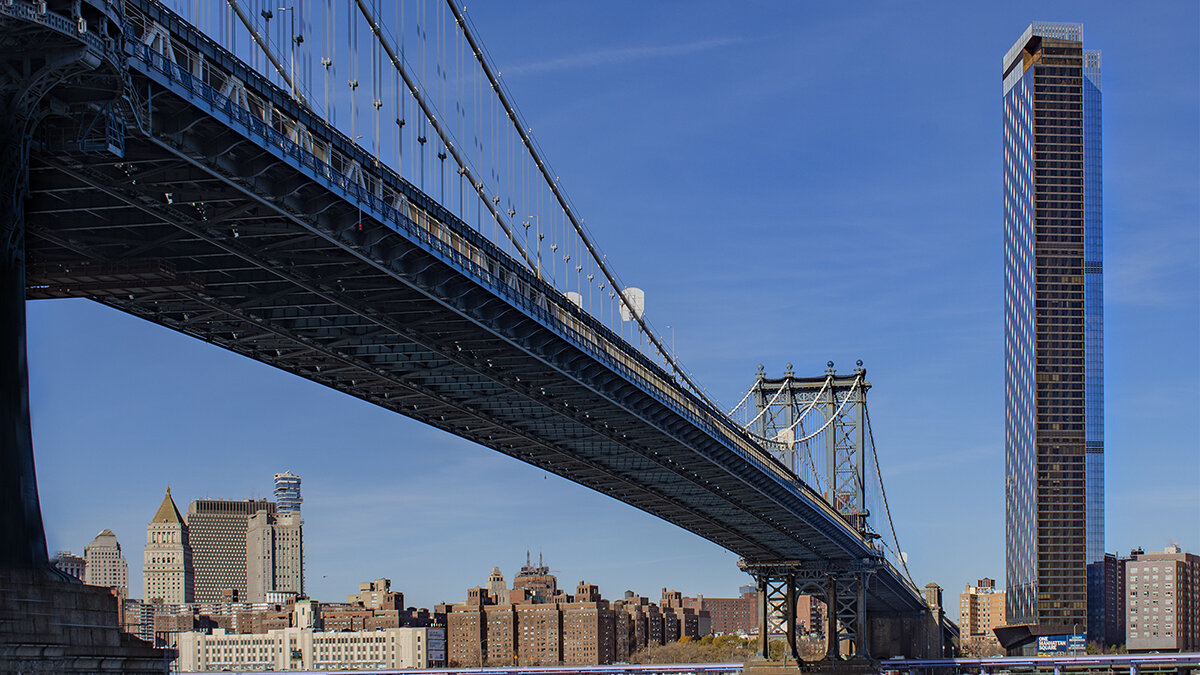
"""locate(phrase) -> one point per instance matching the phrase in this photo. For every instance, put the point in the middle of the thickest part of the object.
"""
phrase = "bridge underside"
(199, 228)
(237, 270)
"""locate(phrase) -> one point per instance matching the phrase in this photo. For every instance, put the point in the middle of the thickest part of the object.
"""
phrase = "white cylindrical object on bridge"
(637, 304)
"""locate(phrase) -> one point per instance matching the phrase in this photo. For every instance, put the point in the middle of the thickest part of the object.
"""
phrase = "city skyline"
(895, 282)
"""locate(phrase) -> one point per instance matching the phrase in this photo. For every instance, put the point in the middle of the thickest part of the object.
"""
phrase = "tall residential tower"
(1053, 324)
(287, 492)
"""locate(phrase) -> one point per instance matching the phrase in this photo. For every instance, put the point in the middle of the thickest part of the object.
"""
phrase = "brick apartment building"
(539, 624)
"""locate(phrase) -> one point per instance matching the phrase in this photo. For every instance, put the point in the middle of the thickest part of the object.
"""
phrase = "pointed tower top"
(167, 513)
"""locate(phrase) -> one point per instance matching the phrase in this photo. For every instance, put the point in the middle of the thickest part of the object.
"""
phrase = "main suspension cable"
(883, 492)
(437, 126)
(567, 211)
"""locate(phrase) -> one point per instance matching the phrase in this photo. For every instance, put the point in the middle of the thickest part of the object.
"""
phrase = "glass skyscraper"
(287, 493)
(1053, 324)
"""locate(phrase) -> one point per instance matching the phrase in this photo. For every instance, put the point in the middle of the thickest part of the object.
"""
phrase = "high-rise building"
(218, 529)
(287, 492)
(536, 581)
(167, 566)
(497, 588)
(105, 564)
(1162, 601)
(1053, 322)
(274, 557)
(1106, 612)
(71, 564)
(980, 610)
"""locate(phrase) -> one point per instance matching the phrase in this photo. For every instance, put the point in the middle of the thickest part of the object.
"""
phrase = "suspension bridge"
(347, 192)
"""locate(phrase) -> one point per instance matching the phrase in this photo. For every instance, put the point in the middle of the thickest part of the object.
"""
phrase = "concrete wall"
(50, 626)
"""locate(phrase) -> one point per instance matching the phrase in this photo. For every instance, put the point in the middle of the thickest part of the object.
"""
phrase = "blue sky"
(789, 183)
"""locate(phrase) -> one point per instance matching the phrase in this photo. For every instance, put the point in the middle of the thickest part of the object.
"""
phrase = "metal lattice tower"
(817, 427)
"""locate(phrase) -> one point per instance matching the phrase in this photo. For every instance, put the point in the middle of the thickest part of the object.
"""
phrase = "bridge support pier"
(843, 591)
(49, 623)
(22, 538)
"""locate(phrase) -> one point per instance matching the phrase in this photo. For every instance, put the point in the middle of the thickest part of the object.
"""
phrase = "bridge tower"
(817, 427)
(63, 70)
(830, 452)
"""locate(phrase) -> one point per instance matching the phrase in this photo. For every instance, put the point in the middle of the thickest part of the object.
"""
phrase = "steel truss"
(828, 451)
(266, 232)
(841, 587)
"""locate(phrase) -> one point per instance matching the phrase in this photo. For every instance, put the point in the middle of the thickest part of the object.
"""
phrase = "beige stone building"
(497, 588)
(377, 594)
(167, 563)
(304, 649)
(980, 610)
(69, 563)
(274, 556)
(105, 565)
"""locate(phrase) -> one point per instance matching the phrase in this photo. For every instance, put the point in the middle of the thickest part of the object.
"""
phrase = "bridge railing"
(198, 68)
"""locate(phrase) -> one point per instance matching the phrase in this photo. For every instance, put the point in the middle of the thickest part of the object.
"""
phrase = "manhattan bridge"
(346, 191)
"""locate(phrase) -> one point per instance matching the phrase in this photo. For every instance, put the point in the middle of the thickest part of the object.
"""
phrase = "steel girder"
(291, 272)
(841, 586)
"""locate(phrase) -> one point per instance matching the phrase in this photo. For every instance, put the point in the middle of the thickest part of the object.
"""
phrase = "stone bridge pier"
(52, 68)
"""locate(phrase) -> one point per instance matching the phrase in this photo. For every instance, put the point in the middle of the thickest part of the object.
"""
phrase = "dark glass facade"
(1106, 612)
(1054, 452)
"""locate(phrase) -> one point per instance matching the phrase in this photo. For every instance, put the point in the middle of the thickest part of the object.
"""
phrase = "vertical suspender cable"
(529, 146)
(262, 43)
(376, 95)
(401, 104)
(353, 82)
(428, 114)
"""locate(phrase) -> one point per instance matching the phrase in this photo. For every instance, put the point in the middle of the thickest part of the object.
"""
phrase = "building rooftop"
(167, 513)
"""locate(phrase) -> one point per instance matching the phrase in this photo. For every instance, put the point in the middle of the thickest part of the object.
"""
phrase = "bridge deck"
(213, 223)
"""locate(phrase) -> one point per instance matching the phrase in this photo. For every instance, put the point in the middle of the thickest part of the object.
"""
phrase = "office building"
(980, 611)
(287, 493)
(218, 530)
(1162, 601)
(105, 564)
(306, 649)
(274, 557)
(1053, 319)
(167, 564)
(497, 588)
(1106, 611)
(69, 563)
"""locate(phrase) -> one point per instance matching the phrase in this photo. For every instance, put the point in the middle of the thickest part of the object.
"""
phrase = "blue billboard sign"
(1062, 645)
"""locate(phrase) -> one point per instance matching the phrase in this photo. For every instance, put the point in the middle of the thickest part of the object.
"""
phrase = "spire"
(167, 513)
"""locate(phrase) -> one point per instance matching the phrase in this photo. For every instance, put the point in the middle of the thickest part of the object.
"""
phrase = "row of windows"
(1057, 85)
(1065, 157)
(1060, 427)
(1059, 102)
